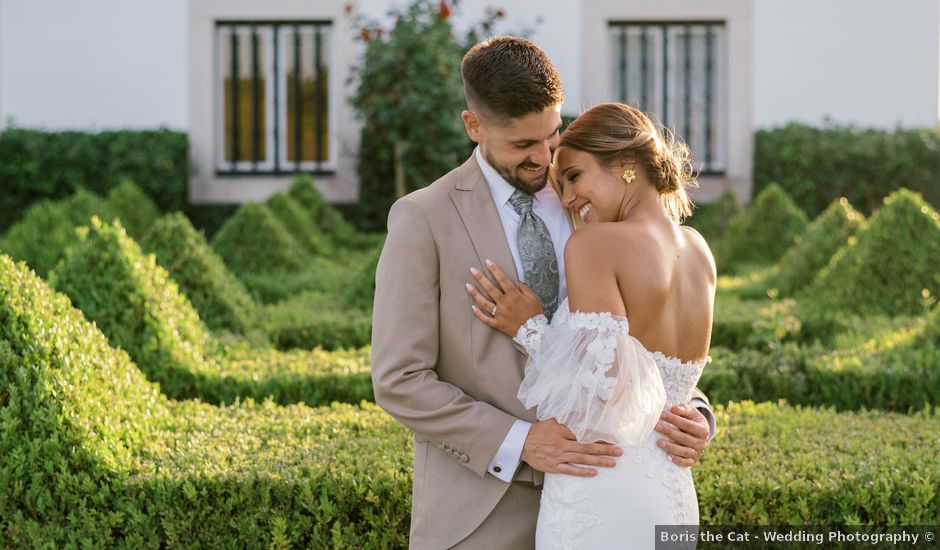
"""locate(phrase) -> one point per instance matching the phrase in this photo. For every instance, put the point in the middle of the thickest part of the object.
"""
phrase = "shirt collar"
(499, 187)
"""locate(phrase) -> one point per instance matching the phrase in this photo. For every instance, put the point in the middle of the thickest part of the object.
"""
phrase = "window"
(676, 71)
(272, 97)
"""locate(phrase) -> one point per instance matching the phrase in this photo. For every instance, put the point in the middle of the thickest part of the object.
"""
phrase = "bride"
(632, 336)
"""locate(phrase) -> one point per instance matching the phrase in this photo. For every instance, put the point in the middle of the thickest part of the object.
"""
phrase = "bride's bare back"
(660, 275)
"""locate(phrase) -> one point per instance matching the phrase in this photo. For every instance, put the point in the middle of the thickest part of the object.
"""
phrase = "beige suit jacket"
(436, 368)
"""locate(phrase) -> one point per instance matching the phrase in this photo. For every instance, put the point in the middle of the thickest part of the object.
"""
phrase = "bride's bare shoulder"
(700, 246)
(595, 241)
(590, 270)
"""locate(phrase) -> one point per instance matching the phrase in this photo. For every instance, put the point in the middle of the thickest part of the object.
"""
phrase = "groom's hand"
(686, 431)
(552, 448)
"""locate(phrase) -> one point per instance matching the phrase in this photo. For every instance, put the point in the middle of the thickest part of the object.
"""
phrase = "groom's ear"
(471, 122)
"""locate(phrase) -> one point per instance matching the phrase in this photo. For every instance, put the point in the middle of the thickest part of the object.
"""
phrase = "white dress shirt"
(547, 206)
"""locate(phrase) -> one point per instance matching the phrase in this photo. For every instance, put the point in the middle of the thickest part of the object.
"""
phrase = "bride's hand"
(505, 307)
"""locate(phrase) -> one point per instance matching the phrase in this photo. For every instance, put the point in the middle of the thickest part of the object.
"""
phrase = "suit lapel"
(474, 203)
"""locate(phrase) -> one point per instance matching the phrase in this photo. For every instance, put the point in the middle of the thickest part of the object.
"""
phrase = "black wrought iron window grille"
(677, 71)
(273, 110)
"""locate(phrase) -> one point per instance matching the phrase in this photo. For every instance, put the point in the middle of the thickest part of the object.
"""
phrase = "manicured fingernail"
(618, 451)
(474, 308)
(474, 271)
(469, 287)
(489, 263)
(661, 443)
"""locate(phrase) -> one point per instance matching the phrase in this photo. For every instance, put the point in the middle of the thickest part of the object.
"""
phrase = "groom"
(479, 455)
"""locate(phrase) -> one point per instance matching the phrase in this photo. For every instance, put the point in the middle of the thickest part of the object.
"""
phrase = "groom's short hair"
(509, 77)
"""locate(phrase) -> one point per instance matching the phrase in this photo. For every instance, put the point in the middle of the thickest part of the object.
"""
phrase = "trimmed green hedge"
(893, 370)
(816, 246)
(312, 319)
(779, 465)
(887, 265)
(255, 241)
(361, 292)
(47, 229)
(712, 219)
(37, 165)
(140, 309)
(327, 218)
(218, 296)
(344, 278)
(819, 165)
(83, 465)
(762, 232)
(137, 305)
(300, 224)
(92, 454)
(137, 212)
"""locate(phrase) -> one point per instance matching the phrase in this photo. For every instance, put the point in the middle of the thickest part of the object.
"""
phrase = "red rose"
(366, 35)
(348, 8)
(500, 13)
(445, 10)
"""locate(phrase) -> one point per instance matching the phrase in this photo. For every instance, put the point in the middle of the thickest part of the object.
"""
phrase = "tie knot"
(521, 202)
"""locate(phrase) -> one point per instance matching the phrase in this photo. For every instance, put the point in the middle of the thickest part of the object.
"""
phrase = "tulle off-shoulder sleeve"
(588, 373)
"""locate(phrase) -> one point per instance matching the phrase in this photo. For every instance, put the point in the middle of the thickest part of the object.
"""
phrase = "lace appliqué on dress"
(679, 379)
(568, 511)
(529, 335)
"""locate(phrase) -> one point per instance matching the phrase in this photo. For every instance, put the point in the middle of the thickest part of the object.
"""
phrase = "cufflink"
(497, 469)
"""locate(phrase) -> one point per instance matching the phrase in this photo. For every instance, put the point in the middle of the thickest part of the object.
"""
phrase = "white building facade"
(261, 87)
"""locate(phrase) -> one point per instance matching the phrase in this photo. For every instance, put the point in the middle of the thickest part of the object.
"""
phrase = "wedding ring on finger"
(493, 313)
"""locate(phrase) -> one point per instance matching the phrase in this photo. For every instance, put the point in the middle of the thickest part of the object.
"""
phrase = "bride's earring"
(629, 175)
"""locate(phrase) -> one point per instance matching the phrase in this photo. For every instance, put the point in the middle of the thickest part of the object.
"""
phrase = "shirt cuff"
(507, 458)
(706, 411)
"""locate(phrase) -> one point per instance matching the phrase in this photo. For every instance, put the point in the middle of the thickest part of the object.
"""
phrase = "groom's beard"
(516, 178)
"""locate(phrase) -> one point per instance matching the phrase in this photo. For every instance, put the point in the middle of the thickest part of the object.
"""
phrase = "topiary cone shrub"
(329, 221)
(47, 229)
(815, 247)
(762, 232)
(135, 208)
(218, 296)
(300, 224)
(888, 264)
(137, 305)
(253, 240)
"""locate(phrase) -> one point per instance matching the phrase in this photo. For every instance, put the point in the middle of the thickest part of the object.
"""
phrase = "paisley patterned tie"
(537, 252)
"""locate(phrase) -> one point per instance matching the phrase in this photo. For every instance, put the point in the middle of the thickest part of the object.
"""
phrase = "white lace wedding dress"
(587, 372)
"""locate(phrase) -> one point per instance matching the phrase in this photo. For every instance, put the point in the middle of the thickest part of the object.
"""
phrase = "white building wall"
(97, 64)
(122, 63)
(67, 64)
(866, 62)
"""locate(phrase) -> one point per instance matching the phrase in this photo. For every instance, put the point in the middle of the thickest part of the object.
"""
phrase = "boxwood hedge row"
(897, 371)
(140, 309)
(93, 454)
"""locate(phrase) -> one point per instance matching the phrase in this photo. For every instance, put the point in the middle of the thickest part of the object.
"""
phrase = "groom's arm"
(700, 402)
(405, 348)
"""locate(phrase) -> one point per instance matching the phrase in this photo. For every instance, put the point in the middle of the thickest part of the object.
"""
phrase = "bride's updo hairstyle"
(618, 136)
